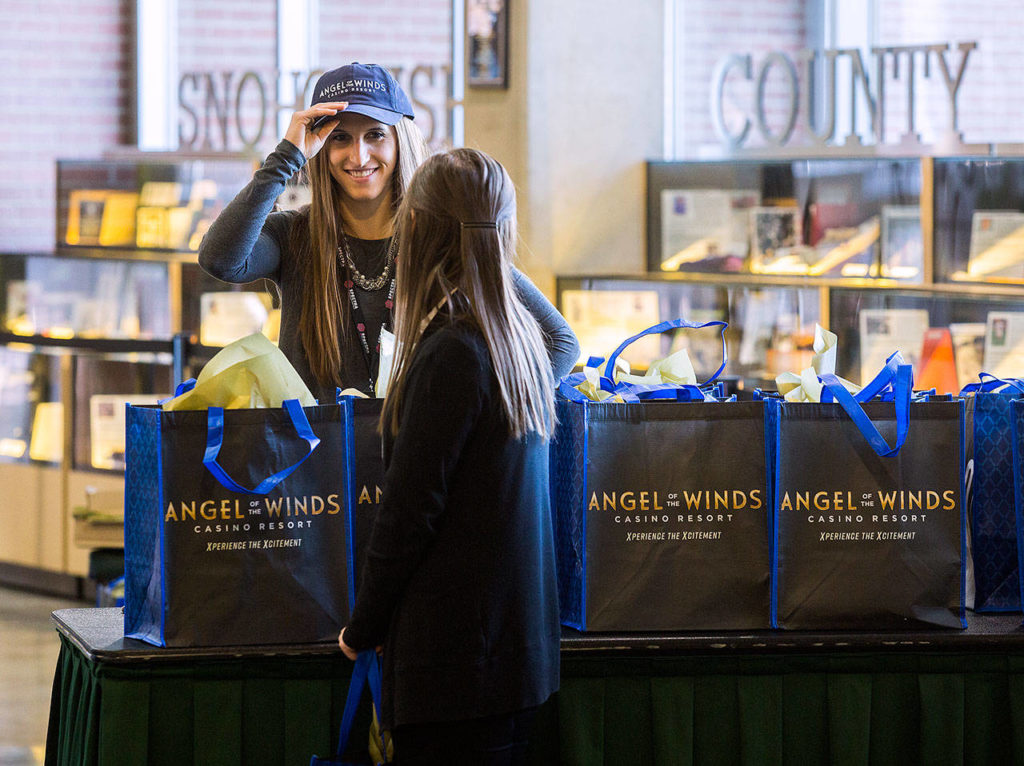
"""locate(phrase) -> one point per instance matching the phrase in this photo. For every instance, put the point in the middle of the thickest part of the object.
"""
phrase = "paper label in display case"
(227, 316)
(884, 331)
(968, 350)
(1004, 344)
(602, 319)
(997, 245)
(106, 426)
(702, 229)
(47, 442)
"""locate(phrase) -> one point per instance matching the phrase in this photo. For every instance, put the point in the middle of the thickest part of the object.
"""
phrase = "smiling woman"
(334, 261)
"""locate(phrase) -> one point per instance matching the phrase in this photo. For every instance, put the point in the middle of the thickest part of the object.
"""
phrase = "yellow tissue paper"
(251, 372)
(675, 369)
(806, 387)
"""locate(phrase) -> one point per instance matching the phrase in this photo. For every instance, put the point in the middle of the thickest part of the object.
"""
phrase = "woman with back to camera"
(334, 262)
(459, 581)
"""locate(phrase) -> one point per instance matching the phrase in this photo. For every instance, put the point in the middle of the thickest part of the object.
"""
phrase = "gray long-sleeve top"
(249, 241)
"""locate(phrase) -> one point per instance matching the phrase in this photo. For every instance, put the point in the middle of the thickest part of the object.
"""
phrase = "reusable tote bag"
(992, 516)
(868, 510)
(235, 526)
(660, 513)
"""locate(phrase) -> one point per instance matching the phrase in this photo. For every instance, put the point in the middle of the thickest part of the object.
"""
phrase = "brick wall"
(990, 105)
(401, 35)
(991, 108)
(68, 68)
(65, 92)
(708, 32)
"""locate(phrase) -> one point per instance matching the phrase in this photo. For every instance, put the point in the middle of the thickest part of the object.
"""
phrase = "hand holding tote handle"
(365, 672)
(903, 389)
(215, 440)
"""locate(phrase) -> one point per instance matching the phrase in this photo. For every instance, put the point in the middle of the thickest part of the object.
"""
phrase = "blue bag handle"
(988, 383)
(661, 391)
(878, 384)
(567, 388)
(185, 386)
(902, 387)
(181, 388)
(215, 440)
(669, 324)
(366, 671)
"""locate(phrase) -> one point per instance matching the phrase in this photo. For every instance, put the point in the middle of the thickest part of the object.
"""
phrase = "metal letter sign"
(866, 87)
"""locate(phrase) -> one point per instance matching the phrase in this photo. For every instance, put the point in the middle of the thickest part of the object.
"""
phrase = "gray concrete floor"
(28, 658)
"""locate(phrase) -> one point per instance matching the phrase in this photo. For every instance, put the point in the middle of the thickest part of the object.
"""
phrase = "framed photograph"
(487, 43)
(85, 216)
(776, 241)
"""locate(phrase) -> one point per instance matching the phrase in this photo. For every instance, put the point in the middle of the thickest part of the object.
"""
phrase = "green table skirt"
(840, 708)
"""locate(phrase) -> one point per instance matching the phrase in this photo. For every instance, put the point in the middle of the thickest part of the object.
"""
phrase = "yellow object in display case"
(117, 226)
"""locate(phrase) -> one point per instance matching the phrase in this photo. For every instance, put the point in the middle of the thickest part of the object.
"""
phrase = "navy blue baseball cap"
(369, 89)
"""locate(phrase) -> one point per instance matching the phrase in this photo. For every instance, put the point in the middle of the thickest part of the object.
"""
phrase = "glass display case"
(979, 220)
(116, 313)
(152, 205)
(771, 327)
(835, 218)
(948, 333)
(921, 255)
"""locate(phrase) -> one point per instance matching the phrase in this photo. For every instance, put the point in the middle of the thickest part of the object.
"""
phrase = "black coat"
(459, 581)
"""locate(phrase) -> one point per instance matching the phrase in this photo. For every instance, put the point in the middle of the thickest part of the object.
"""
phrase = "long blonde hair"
(317, 232)
(457, 237)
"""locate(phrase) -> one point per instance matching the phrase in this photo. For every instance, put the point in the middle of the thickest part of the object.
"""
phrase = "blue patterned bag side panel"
(1016, 435)
(568, 495)
(143, 539)
(993, 518)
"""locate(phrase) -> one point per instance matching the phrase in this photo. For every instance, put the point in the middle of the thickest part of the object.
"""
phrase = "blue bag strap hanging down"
(669, 324)
(365, 672)
(902, 389)
(215, 440)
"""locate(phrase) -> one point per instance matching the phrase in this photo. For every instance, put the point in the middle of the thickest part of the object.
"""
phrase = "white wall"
(583, 112)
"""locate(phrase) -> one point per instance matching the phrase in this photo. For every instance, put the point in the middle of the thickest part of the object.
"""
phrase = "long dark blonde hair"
(317, 231)
(457, 237)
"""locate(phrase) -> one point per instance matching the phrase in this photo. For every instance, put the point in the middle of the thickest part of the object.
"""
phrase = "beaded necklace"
(370, 355)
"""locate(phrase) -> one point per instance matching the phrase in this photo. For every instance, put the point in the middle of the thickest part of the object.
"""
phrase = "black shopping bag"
(364, 464)
(869, 512)
(235, 526)
(660, 506)
(661, 518)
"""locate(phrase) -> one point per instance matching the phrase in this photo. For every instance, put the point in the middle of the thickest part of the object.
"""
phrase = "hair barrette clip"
(478, 224)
